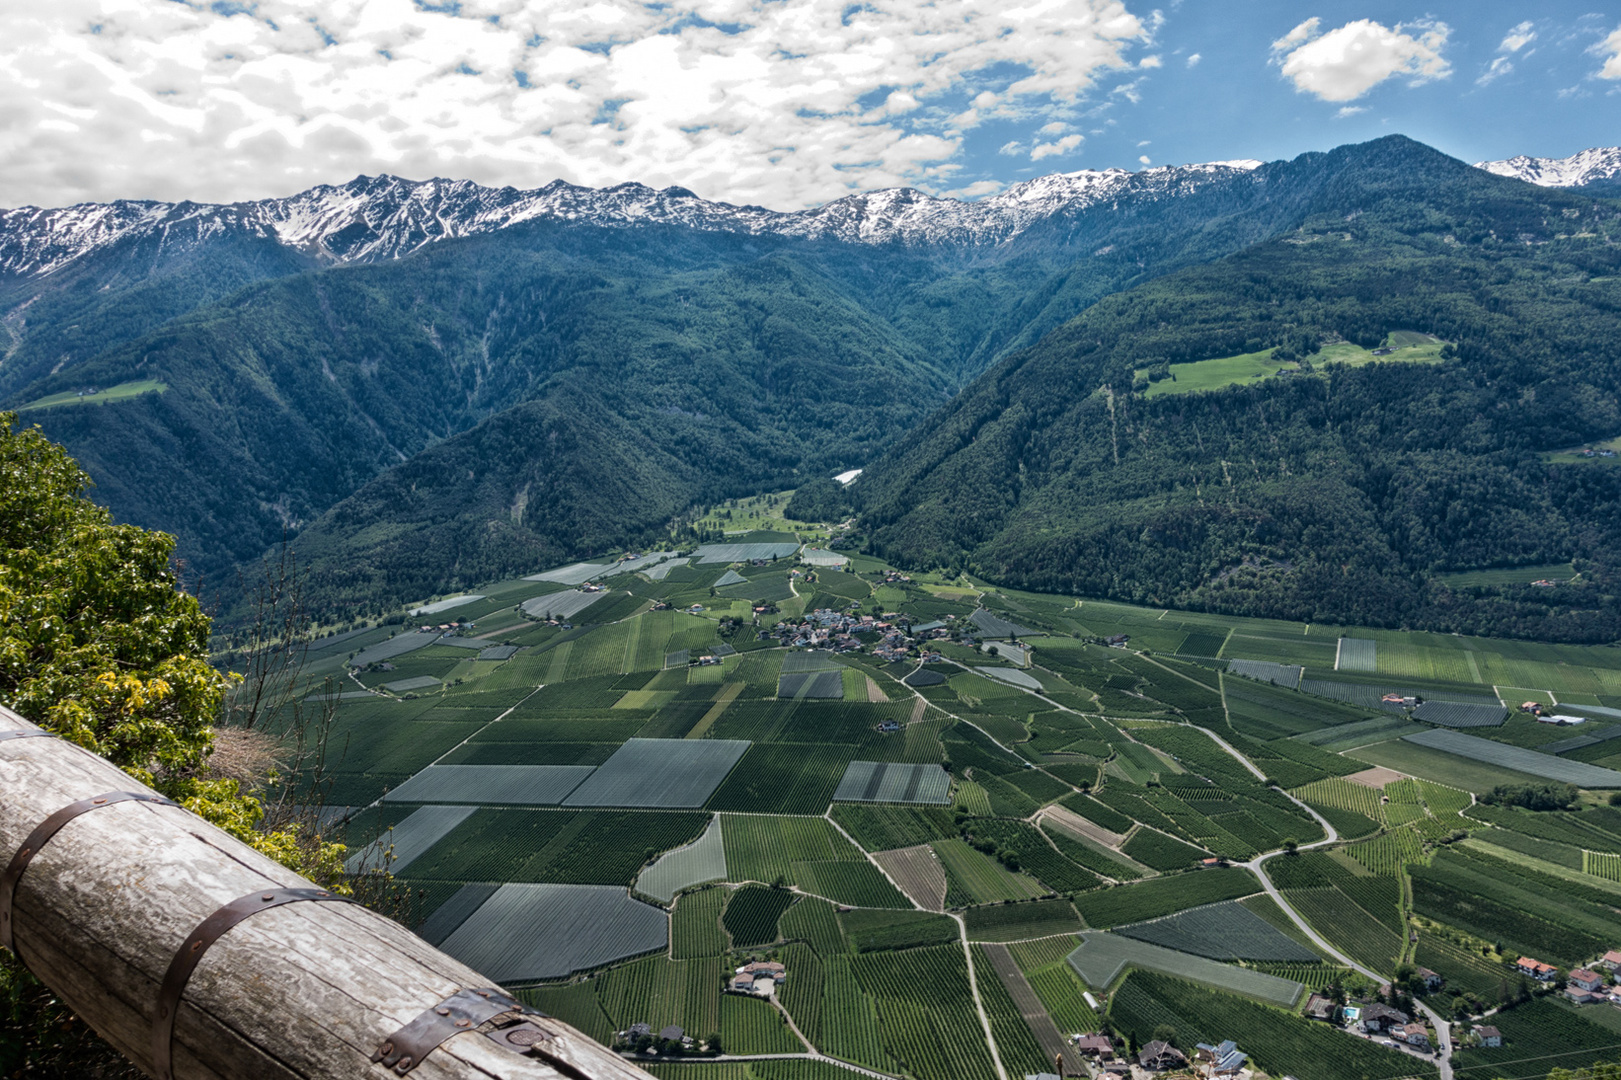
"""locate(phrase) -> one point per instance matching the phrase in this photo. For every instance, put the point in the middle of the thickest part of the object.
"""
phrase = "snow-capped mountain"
(1601, 163)
(383, 217)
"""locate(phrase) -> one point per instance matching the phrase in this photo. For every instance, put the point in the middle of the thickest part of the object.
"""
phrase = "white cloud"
(1500, 66)
(1347, 62)
(1150, 62)
(1144, 159)
(1518, 38)
(1145, 142)
(1057, 127)
(746, 100)
(1193, 61)
(1061, 146)
(1299, 35)
(1610, 49)
(1129, 91)
(976, 189)
(1349, 110)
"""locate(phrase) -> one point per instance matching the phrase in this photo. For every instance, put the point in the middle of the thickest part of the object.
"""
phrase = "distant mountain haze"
(432, 384)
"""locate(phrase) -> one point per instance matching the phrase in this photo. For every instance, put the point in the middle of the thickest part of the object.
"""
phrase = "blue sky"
(1544, 98)
(783, 103)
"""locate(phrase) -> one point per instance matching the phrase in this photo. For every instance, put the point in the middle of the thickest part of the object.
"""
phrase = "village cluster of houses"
(1222, 1059)
(836, 631)
(1382, 1019)
(457, 627)
(759, 978)
(1541, 714)
(827, 629)
(1589, 985)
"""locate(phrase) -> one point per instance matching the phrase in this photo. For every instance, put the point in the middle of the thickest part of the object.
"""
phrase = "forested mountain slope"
(1335, 495)
(556, 386)
(674, 363)
(297, 392)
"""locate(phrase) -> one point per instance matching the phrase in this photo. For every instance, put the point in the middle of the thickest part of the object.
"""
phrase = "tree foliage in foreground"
(100, 645)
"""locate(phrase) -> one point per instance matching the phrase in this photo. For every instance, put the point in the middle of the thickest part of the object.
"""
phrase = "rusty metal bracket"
(191, 953)
(461, 1011)
(42, 835)
(26, 733)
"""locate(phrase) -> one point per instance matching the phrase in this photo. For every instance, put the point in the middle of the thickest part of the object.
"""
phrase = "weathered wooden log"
(306, 990)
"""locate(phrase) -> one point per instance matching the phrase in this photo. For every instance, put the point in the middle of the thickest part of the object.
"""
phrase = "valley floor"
(834, 818)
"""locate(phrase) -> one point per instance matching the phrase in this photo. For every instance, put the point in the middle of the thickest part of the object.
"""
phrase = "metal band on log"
(42, 836)
(299, 991)
(191, 954)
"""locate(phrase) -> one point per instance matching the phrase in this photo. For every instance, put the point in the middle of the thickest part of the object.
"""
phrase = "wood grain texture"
(306, 991)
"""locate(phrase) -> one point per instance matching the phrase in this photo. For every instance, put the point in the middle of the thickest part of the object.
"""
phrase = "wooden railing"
(197, 957)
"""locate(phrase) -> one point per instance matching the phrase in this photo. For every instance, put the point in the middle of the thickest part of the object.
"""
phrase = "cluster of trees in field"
(1534, 796)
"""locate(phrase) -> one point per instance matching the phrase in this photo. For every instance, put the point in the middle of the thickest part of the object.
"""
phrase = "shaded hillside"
(1334, 495)
(701, 390)
(300, 391)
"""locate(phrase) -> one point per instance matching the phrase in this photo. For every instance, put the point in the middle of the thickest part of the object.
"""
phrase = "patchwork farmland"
(613, 800)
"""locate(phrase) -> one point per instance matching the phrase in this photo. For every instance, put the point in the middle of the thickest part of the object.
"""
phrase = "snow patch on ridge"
(376, 218)
(1578, 170)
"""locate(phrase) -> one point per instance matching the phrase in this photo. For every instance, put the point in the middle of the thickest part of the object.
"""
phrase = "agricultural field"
(702, 860)
(695, 927)
(492, 785)
(1357, 911)
(918, 873)
(1021, 922)
(1101, 958)
(525, 933)
(660, 773)
(764, 848)
(397, 848)
(872, 931)
(1517, 575)
(122, 392)
(596, 847)
(752, 912)
(1535, 1033)
(881, 828)
(1518, 759)
(1533, 911)
(874, 781)
(1221, 931)
(926, 1010)
(562, 605)
(981, 879)
(1025, 1036)
(1103, 908)
(566, 782)
(1021, 846)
